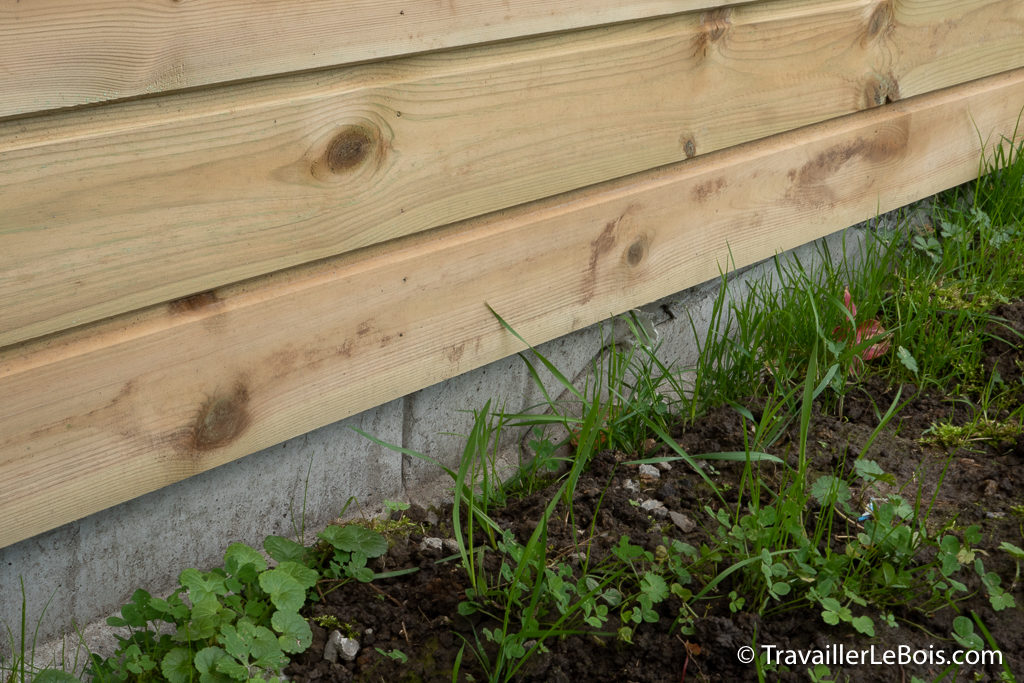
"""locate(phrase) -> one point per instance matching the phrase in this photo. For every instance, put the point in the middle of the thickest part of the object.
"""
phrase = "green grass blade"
(547, 364)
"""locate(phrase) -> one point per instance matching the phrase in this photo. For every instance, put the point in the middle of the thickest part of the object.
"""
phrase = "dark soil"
(417, 613)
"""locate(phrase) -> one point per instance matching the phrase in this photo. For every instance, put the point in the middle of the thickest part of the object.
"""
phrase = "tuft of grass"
(22, 666)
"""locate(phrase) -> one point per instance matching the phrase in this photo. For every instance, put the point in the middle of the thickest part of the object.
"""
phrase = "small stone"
(340, 646)
(663, 466)
(431, 543)
(995, 515)
(655, 507)
(630, 485)
(349, 649)
(684, 523)
(649, 472)
(991, 488)
(451, 545)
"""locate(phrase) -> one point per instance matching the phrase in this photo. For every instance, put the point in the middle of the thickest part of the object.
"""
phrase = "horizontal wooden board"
(62, 53)
(104, 414)
(121, 207)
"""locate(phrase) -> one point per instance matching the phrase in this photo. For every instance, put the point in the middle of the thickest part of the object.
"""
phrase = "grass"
(22, 665)
(805, 334)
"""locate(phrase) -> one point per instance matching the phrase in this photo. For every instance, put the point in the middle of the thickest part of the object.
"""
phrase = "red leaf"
(865, 330)
(848, 301)
(869, 330)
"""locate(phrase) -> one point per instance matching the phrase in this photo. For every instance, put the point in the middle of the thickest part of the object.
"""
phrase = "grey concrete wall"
(84, 571)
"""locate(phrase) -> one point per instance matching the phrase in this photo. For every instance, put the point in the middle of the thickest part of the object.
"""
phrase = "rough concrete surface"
(84, 571)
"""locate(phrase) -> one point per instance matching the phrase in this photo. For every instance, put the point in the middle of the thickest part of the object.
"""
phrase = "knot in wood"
(221, 419)
(349, 148)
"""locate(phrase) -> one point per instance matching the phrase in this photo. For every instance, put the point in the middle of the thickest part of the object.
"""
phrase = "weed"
(329, 622)
(299, 527)
(981, 430)
(240, 621)
(393, 506)
(22, 667)
(395, 654)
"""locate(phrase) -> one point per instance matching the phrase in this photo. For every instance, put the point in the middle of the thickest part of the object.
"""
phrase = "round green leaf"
(207, 658)
(305, 576)
(363, 574)
(176, 665)
(238, 555)
(355, 538)
(233, 668)
(283, 549)
(296, 636)
(865, 625)
(284, 590)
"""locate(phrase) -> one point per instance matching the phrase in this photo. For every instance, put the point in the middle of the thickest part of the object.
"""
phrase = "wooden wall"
(224, 223)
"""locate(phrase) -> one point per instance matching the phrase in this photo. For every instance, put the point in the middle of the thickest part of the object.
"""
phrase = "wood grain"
(123, 206)
(62, 53)
(103, 414)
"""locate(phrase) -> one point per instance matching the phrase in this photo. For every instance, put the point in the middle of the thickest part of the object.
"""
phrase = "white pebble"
(649, 472)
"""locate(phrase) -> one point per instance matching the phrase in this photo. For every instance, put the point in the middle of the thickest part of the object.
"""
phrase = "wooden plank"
(121, 207)
(62, 53)
(101, 415)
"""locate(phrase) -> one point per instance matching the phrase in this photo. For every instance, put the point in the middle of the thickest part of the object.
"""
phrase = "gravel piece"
(431, 543)
(340, 646)
(655, 507)
(684, 523)
(649, 472)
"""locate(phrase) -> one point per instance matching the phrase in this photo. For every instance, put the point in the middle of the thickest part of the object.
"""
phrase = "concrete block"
(437, 418)
(45, 564)
(347, 465)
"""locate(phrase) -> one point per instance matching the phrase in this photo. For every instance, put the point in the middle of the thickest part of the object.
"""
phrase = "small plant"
(396, 655)
(328, 622)
(963, 633)
(393, 506)
(982, 430)
(352, 546)
(820, 674)
(538, 470)
(238, 622)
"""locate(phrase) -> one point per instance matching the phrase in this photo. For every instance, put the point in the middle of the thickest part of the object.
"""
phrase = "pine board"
(116, 208)
(104, 414)
(62, 53)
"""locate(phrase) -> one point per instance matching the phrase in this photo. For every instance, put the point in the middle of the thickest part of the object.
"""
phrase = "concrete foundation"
(84, 571)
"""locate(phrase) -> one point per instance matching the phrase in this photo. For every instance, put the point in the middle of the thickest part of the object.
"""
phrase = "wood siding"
(189, 277)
